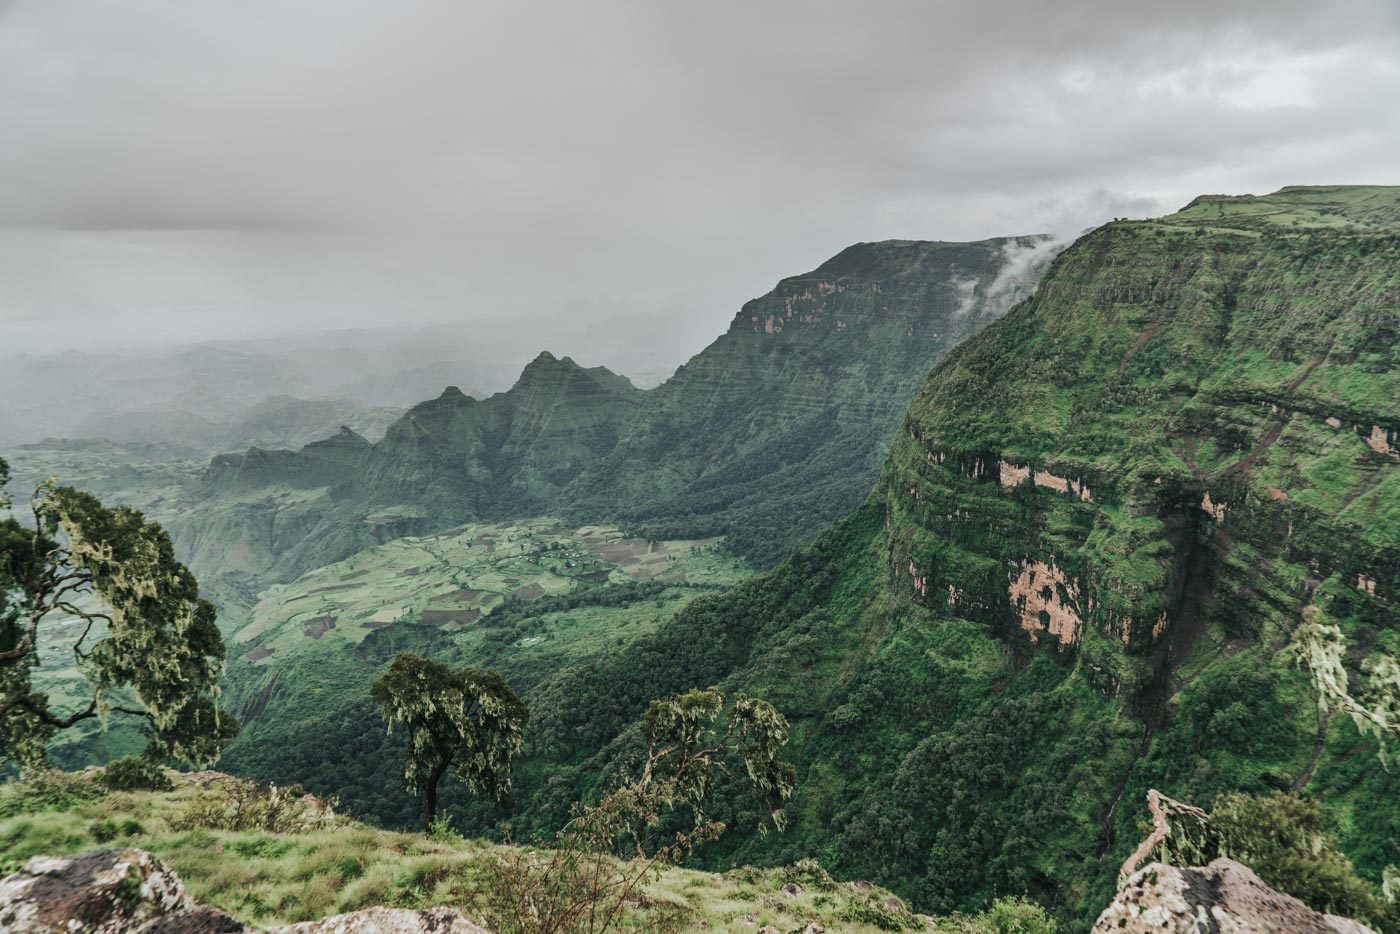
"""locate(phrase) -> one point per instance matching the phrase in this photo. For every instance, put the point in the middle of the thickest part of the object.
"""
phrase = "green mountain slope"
(1081, 573)
(771, 432)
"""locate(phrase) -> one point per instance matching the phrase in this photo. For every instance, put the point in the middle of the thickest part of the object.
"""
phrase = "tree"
(468, 719)
(1322, 649)
(655, 816)
(155, 638)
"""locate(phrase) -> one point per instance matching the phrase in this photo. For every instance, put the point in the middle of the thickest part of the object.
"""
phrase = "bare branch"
(22, 648)
(58, 723)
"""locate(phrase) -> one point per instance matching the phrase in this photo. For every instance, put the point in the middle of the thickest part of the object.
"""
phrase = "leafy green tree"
(657, 814)
(1321, 649)
(468, 719)
(1283, 838)
(154, 638)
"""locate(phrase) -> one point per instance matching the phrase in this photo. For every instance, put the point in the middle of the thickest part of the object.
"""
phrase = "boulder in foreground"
(119, 891)
(391, 921)
(101, 892)
(1224, 897)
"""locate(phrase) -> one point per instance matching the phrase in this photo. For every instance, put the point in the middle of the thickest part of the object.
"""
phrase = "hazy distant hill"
(203, 393)
(768, 434)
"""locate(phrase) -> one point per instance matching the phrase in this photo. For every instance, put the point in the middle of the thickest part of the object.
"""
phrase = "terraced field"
(451, 580)
(525, 598)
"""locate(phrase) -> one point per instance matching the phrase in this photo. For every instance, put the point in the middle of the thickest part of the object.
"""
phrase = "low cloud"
(459, 161)
(1023, 263)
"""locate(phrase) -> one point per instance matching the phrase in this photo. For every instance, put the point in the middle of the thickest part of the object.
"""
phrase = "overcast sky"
(179, 169)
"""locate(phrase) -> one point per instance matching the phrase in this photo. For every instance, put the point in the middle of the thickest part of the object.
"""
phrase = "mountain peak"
(919, 285)
(547, 370)
(346, 436)
(451, 397)
(547, 366)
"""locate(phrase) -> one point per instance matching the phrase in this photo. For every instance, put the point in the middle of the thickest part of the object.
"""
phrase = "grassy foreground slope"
(1082, 573)
(329, 865)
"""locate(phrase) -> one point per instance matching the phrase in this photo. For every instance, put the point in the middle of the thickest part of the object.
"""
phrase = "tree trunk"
(431, 807)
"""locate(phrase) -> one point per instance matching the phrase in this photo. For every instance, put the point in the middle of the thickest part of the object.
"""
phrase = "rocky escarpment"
(1159, 465)
(1183, 396)
(121, 891)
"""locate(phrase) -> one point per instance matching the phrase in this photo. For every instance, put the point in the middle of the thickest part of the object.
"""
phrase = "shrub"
(240, 804)
(1282, 838)
(48, 790)
(808, 873)
(107, 830)
(887, 916)
(135, 773)
(442, 831)
(599, 864)
(1005, 916)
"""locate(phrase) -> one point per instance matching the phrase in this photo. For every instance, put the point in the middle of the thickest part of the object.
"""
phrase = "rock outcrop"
(391, 921)
(1223, 897)
(120, 891)
(102, 892)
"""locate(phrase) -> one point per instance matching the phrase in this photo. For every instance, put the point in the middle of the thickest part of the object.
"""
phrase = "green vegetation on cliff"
(1142, 532)
(1081, 574)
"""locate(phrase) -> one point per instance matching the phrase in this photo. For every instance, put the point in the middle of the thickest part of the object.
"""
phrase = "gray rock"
(1224, 897)
(105, 892)
(199, 920)
(391, 921)
(121, 891)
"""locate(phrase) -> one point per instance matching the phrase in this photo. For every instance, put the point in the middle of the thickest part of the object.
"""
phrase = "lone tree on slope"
(156, 652)
(468, 719)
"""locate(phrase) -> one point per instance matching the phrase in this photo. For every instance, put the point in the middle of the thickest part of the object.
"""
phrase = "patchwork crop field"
(453, 579)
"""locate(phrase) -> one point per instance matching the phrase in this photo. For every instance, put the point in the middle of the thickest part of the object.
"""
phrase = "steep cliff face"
(774, 430)
(1085, 569)
(1154, 468)
(1194, 441)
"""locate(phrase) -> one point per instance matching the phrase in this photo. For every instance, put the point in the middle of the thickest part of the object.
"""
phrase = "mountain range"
(771, 432)
(1037, 528)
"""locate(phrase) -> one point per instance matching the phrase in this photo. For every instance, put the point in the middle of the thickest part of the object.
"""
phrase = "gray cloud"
(175, 169)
